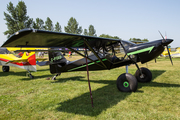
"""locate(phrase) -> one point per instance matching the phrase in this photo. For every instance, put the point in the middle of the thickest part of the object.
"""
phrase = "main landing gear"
(129, 83)
(29, 74)
(54, 78)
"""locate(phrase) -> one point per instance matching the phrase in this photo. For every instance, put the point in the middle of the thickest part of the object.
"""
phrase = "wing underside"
(40, 38)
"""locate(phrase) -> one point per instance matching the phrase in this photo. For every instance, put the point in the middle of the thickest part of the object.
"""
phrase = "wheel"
(145, 77)
(127, 83)
(54, 78)
(5, 68)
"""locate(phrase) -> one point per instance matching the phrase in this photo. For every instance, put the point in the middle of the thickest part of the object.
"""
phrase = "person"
(41, 54)
(70, 54)
(20, 54)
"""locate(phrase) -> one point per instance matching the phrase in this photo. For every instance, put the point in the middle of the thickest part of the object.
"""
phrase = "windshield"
(127, 44)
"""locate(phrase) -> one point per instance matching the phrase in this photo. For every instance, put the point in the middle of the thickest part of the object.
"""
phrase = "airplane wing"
(41, 59)
(17, 60)
(41, 38)
(11, 58)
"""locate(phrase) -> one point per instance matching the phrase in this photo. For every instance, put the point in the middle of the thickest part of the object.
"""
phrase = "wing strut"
(86, 42)
(88, 78)
(84, 56)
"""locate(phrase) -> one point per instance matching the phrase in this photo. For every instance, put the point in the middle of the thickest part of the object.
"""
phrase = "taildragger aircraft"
(105, 54)
(25, 60)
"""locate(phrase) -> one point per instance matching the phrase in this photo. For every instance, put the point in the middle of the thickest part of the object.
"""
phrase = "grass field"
(68, 96)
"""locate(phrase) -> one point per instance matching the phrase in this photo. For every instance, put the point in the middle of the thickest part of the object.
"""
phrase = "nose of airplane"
(166, 41)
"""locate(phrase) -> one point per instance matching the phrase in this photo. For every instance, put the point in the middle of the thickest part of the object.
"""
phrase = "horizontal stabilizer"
(43, 63)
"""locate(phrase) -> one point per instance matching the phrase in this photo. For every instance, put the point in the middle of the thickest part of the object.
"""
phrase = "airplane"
(105, 54)
(174, 54)
(24, 60)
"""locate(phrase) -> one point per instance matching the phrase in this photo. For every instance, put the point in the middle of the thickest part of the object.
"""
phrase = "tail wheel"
(5, 68)
(146, 75)
(127, 83)
(31, 76)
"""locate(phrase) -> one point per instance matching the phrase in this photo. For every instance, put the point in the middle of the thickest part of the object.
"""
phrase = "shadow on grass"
(24, 74)
(75, 78)
(12, 73)
(104, 97)
(156, 73)
(44, 77)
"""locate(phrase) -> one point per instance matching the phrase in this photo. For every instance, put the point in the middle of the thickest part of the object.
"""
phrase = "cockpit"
(119, 49)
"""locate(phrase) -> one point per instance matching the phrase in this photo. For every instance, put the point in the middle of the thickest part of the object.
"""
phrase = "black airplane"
(105, 54)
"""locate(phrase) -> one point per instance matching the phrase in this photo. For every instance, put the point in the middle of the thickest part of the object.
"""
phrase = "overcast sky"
(123, 18)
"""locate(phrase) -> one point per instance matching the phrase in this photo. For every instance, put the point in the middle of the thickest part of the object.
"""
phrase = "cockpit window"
(127, 44)
(120, 49)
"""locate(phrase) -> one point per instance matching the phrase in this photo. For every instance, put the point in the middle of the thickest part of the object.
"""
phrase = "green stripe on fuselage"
(85, 65)
(141, 51)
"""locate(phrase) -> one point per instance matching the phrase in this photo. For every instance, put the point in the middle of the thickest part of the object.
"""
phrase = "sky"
(123, 18)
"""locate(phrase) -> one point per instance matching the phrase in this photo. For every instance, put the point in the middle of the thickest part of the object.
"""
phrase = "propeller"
(169, 55)
(163, 41)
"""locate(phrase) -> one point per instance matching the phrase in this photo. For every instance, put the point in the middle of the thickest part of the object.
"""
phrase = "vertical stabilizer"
(57, 61)
(31, 63)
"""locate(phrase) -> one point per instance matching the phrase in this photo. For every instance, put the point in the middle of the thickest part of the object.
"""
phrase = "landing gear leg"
(142, 74)
(126, 68)
(54, 78)
(29, 74)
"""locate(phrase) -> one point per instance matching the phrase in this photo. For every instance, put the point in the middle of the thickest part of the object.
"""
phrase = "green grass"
(68, 97)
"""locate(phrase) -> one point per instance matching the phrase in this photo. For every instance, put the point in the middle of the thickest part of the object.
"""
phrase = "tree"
(134, 39)
(58, 27)
(145, 40)
(72, 27)
(92, 31)
(49, 24)
(39, 24)
(108, 36)
(17, 18)
(85, 32)
(137, 39)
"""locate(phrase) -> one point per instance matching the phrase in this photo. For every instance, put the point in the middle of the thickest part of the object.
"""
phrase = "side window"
(119, 50)
(126, 45)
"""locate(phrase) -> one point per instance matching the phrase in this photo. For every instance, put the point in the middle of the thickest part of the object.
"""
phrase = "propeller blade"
(169, 55)
(161, 35)
(165, 36)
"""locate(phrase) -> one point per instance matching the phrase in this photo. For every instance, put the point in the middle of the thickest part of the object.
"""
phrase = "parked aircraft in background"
(24, 60)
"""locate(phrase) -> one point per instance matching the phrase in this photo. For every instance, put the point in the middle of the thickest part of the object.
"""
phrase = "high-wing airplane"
(105, 54)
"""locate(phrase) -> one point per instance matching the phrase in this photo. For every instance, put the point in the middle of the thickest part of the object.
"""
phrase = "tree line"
(18, 19)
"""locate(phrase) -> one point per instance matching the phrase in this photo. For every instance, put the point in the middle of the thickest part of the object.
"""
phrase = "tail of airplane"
(30, 63)
(57, 60)
(27, 61)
